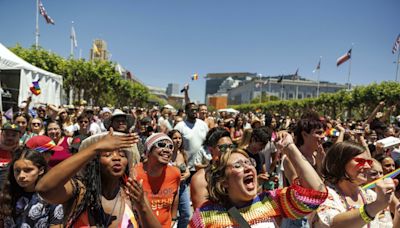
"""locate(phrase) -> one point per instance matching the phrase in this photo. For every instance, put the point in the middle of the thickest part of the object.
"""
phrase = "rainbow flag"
(392, 175)
(332, 132)
(128, 219)
(35, 88)
(195, 77)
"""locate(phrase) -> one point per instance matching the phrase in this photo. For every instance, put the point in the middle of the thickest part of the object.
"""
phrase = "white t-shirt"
(193, 138)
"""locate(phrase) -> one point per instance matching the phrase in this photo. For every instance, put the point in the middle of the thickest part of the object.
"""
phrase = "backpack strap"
(235, 214)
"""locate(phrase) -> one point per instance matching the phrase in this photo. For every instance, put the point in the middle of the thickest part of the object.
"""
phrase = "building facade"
(287, 87)
(99, 50)
(215, 80)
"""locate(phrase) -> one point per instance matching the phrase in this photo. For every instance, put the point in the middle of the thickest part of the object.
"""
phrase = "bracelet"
(365, 217)
(288, 145)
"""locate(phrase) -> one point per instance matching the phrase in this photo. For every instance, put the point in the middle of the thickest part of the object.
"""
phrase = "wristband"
(366, 212)
(365, 217)
(288, 145)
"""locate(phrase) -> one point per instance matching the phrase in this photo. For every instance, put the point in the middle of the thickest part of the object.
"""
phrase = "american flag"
(43, 12)
(396, 45)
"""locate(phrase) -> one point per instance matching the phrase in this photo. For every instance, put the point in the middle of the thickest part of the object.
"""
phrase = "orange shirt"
(160, 191)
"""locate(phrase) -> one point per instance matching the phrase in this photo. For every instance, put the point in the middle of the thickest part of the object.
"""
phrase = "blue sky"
(167, 41)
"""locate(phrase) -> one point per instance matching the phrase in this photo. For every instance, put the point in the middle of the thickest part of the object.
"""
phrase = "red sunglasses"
(361, 161)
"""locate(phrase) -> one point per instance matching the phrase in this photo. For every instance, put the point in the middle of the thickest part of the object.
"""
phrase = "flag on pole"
(343, 58)
(35, 88)
(195, 77)
(258, 85)
(95, 49)
(396, 45)
(266, 82)
(73, 37)
(280, 79)
(43, 12)
(296, 74)
(318, 66)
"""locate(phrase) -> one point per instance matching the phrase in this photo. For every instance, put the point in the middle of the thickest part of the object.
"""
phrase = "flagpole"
(37, 26)
(72, 41)
(269, 89)
(397, 69)
(348, 77)
(260, 88)
(282, 90)
(318, 75)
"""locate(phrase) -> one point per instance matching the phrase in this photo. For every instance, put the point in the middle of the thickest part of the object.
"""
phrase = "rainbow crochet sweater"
(291, 202)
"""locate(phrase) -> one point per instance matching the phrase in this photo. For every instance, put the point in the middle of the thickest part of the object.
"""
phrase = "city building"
(99, 50)
(173, 89)
(285, 87)
(215, 80)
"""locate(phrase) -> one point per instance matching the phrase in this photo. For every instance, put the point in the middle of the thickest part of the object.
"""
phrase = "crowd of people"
(83, 166)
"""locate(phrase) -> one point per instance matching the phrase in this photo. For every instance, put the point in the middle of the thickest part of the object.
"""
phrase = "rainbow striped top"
(291, 202)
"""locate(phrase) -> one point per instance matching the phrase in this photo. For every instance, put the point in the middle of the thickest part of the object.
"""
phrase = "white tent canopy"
(50, 84)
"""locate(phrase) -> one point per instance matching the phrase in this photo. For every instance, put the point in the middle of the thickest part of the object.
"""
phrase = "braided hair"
(90, 177)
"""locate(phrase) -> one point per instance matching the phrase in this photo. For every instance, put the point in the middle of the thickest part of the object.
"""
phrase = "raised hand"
(113, 142)
(385, 191)
(134, 189)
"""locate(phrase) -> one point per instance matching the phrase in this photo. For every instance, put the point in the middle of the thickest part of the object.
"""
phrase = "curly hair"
(11, 191)
(215, 177)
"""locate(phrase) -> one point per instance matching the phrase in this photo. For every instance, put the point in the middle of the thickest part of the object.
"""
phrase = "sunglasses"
(225, 147)
(164, 145)
(84, 121)
(241, 163)
(36, 124)
(361, 161)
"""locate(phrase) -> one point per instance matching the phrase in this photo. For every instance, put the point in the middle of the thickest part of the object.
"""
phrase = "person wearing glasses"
(217, 142)
(36, 126)
(159, 179)
(234, 200)
(345, 169)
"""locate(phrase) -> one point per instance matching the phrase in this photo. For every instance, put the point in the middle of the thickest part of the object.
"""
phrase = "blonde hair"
(245, 139)
(216, 176)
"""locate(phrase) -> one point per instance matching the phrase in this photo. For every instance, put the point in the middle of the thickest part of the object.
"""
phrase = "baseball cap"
(42, 143)
(9, 126)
